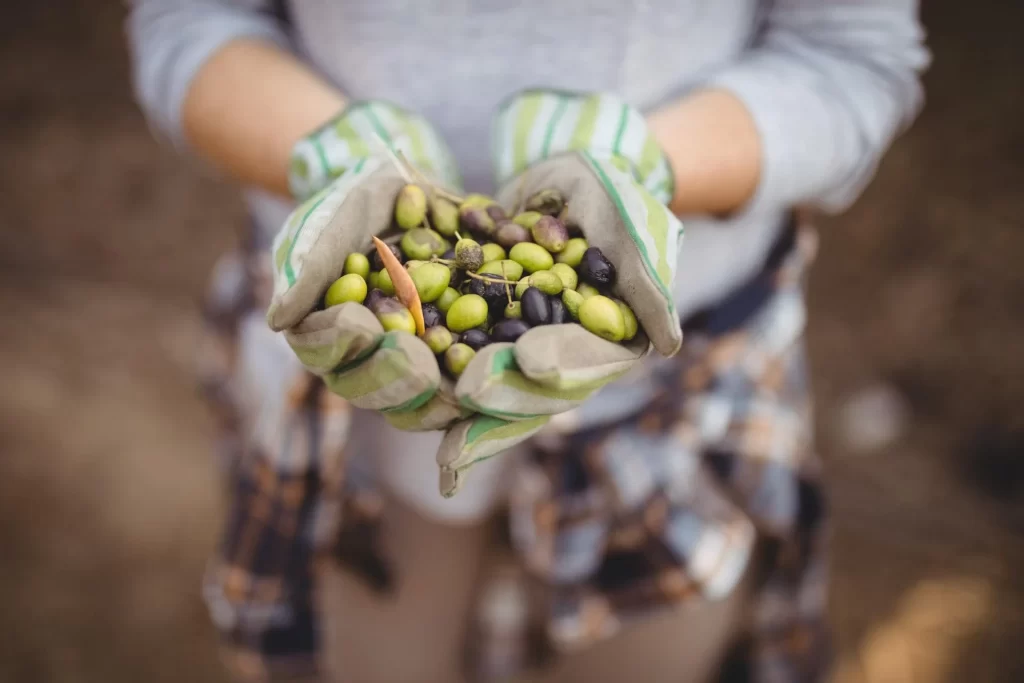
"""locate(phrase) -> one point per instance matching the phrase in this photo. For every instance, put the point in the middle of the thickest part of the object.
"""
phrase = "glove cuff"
(534, 125)
(362, 130)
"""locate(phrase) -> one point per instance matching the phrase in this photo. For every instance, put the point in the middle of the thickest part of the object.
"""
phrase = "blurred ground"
(108, 500)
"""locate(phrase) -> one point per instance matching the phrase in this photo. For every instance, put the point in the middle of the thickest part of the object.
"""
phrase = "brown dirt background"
(108, 493)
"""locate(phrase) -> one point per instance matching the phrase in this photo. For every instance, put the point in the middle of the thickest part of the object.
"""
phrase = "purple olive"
(432, 316)
(475, 339)
(373, 299)
(510, 234)
(595, 269)
(559, 314)
(550, 233)
(508, 330)
(496, 213)
(378, 264)
(536, 307)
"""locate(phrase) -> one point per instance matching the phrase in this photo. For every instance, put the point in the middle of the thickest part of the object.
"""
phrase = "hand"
(348, 185)
(597, 153)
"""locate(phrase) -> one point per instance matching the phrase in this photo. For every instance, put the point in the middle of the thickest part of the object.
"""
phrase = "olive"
(413, 264)
(506, 269)
(357, 264)
(629, 319)
(384, 283)
(475, 200)
(492, 290)
(466, 312)
(508, 330)
(509, 234)
(546, 281)
(373, 280)
(378, 264)
(410, 207)
(527, 218)
(477, 220)
(475, 339)
(394, 316)
(572, 300)
(602, 316)
(457, 357)
(587, 291)
(573, 252)
(514, 310)
(548, 202)
(432, 316)
(558, 313)
(444, 216)
(422, 243)
(536, 307)
(346, 288)
(566, 274)
(438, 338)
(373, 299)
(496, 213)
(596, 269)
(468, 254)
(532, 257)
(549, 233)
(521, 286)
(431, 279)
(493, 252)
(448, 296)
(449, 255)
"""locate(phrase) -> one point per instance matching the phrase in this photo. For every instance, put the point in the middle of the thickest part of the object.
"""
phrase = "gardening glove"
(347, 176)
(597, 152)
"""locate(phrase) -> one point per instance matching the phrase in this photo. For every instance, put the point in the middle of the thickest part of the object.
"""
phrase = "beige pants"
(417, 635)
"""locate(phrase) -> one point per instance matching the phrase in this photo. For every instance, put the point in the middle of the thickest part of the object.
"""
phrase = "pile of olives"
(482, 276)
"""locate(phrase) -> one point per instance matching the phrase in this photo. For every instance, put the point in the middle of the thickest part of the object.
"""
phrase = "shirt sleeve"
(170, 40)
(829, 84)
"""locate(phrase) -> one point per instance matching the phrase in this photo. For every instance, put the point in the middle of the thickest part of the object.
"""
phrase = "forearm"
(246, 124)
(714, 151)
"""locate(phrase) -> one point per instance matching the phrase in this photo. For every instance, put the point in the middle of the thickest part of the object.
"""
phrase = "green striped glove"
(597, 152)
(347, 183)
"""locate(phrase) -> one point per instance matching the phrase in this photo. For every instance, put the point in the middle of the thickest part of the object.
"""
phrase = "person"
(692, 481)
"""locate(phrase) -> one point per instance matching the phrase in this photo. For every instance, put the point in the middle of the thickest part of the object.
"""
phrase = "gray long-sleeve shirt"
(829, 82)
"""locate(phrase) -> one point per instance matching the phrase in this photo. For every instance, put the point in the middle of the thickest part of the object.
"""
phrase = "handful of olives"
(481, 276)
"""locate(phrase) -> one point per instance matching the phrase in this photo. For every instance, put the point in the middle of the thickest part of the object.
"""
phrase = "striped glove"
(597, 152)
(347, 184)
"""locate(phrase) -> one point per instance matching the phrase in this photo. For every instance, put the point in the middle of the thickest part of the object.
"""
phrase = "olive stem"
(508, 291)
(475, 276)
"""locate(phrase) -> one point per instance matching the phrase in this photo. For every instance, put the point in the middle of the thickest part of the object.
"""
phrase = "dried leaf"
(405, 290)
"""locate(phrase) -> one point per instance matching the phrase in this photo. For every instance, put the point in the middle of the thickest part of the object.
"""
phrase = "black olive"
(494, 293)
(432, 316)
(474, 339)
(558, 313)
(378, 263)
(448, 255)
(536, 307)
(508, 330)
(595, 269)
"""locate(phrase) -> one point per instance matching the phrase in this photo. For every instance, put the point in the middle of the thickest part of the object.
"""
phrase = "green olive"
(527, 218)
(629, 319)
(514, 310)
(572, 300)
(444, 216)
(346, 288)
(457, 357)
(468, 311)
(410, 207)
(493, 252)
(549, 202)
(357, 264)
(393, 316)
(438, 338)
(413, 264)
(568, 276)
(547, 282)
(431, 279)
(603, 317)
(532, 257)
(468, 254)
(521, 286)
(447, 298)
(573, 252)
(373, 280)
(587, 291)
(506, 268)
(384, 283)
(422, 243)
